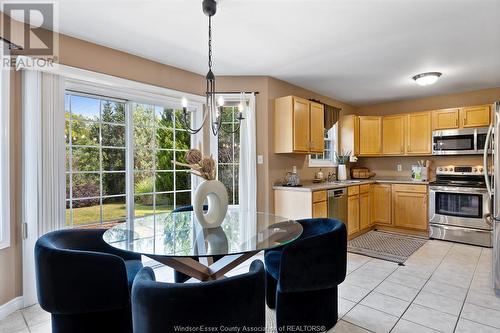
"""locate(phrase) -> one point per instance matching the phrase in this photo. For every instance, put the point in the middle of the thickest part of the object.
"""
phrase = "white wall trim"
(4, 157)
(11, 307)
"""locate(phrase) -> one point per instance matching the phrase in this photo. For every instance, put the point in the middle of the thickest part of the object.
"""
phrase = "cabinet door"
(352, 214)
(419, 133)
(393, 135)
(364, 210)
(349, 134)
(370, 135)
(410, 210)
(317, 129)
(444, 119)
(381, 204)
(300, 125)
(475, 116)
(320, 209)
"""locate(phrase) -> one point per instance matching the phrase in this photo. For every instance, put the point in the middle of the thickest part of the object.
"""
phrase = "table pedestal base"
(205, 269)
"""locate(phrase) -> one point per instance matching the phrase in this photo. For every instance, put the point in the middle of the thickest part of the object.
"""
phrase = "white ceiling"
(358, 51)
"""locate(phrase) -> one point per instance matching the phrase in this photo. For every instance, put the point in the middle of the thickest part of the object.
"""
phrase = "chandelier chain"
(210, 42)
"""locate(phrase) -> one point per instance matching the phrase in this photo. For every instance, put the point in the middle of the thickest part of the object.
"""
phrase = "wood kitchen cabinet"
(418, 133)
(393, 137)
(320, 204)
(409, 204)
(352, 210)
(364, 207)
(298, 126)
(370, 135)
(381, 202)
(445, 119)
(349, 134)
(475, 116)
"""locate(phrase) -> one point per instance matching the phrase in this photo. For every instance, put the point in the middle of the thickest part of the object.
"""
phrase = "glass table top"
(180, 235)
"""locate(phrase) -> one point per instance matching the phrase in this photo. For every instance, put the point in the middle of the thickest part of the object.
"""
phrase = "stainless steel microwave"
(462, 141)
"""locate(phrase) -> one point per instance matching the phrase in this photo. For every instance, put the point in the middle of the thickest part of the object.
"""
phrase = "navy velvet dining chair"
(83, 282)
(302, 277)
(233, 302)
(178, 276)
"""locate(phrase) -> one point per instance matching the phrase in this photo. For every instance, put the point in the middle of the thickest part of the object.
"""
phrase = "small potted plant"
(342, 160)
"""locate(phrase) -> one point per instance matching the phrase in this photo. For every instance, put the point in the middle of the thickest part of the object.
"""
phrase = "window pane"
(86, 159)
(113, 159)
(165, 138)
(86, 212)
(86, 185)
(66, 132)
(164, 202)
(113, 135)
(164, 117)
(144, 137)
(85, 108)
(113, 112)
(164, 181)
(143, 114)
(182, 140)
(143, 205)
(143, 182)
(183, 199)
(114, 209)
(225, 148)
(164, 160)
(180, 157)
(182, 180)
(226, 177)
(113, 183)
(143, 159)
(84, 133)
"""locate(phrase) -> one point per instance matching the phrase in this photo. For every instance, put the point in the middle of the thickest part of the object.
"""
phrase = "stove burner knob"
(474, 170)
(445, 169)
(440, 169)
(480, 169)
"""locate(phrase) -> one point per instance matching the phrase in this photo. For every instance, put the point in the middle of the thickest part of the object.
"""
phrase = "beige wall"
(385, 166)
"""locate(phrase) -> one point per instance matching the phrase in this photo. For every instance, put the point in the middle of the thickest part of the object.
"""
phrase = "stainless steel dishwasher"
(337, 204)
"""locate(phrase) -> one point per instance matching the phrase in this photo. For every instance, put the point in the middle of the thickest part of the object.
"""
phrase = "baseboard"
(11, 307)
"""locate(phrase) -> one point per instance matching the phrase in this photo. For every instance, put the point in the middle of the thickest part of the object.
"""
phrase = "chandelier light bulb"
(184, 102)
(220, 101)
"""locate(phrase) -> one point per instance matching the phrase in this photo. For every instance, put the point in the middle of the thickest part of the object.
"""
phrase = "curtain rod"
(237, 92)
(11, 45)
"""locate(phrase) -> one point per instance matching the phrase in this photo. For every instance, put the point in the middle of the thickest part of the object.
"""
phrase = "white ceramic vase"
(342, 172)
(215, 193)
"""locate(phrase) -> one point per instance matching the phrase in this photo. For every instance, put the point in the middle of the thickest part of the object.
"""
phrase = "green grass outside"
(114, 212)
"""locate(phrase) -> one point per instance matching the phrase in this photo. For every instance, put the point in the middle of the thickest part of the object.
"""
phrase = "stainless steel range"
(459, 206)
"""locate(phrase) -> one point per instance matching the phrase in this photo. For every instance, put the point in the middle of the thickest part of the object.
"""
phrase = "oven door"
(454, 142)
(459, 206)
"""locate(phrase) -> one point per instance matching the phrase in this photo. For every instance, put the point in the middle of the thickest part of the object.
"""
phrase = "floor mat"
(385, 245)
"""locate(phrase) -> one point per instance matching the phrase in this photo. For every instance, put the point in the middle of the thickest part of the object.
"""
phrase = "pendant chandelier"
(214, 105)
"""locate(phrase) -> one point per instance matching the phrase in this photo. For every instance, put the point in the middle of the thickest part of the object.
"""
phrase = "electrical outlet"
(260, 159)
(399, 167)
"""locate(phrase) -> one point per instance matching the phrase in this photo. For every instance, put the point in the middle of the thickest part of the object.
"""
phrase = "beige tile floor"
(443, 287)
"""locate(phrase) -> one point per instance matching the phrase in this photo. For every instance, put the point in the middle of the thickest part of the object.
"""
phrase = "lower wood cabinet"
(381, 204)
(409, 204)
(353, 214)
(364, 207)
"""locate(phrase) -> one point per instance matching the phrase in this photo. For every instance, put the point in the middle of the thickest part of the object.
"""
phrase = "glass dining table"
(177, 240)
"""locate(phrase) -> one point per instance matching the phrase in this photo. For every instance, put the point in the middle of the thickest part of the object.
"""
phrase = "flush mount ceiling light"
(426, 79)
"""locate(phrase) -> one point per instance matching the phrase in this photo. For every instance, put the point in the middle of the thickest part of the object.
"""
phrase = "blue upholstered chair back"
(233, 301)
(77, 272)
(317, 260)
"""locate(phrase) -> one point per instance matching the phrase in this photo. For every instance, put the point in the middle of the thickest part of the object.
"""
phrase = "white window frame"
(331, 162)
(4, 157)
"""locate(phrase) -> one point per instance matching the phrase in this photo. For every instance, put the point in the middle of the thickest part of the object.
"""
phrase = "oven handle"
(485, 160)
(463, 190)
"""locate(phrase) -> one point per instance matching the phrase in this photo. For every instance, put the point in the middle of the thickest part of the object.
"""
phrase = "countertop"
(309, 186)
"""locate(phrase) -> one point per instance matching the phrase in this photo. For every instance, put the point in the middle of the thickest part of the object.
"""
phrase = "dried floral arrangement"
(200, 166)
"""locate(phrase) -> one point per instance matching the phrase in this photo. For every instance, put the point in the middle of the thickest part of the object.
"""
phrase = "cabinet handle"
(456, 122)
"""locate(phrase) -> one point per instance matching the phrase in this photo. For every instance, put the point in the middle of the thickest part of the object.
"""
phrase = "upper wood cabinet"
(393, 137)
(472, 116)
(298, 126)
(418, 133)
(381, 204)
(370, 135)
(409, 204)
(349, 134)
(475, 116)
(445, 119)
